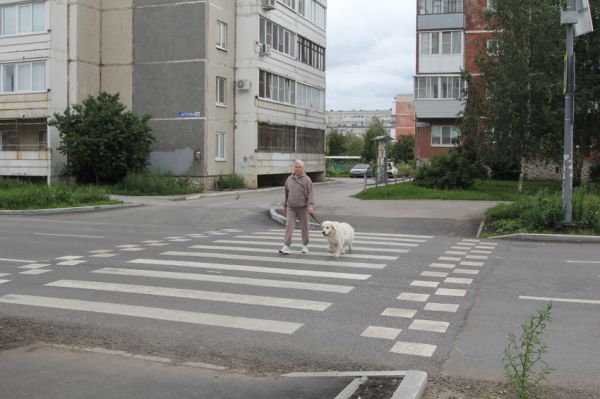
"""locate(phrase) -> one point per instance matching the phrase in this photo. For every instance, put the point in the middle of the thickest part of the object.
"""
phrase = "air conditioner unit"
(243, 84)
(268, 4)
(264, 49)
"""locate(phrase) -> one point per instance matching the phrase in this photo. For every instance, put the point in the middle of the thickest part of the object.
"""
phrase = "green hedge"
(154, 183)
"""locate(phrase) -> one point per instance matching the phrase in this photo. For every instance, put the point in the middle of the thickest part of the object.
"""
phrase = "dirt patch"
(461, 388)
(377, 388)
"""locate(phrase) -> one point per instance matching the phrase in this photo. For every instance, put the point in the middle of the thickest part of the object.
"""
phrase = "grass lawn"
(483, 190)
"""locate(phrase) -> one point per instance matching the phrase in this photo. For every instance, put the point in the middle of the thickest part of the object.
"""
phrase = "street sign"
(584, 19)
(188, 114)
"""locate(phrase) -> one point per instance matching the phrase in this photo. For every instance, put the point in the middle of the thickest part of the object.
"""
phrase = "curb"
(412, 385)
(282, 220)
(56, 211)
(548, 238)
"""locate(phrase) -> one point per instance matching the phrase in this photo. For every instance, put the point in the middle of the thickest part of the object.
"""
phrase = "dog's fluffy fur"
(339, 235)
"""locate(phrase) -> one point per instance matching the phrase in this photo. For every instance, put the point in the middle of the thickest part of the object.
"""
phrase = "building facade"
(196, 67)
(450, 35)
(405, 115)
(357, 122)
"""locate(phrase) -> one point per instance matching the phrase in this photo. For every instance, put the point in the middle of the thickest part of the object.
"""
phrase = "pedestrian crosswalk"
(243, 270)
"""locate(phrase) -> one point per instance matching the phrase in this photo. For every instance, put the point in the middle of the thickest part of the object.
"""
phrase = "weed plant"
(154, 183)
(229, 182)
(16, 195)
(523, 362)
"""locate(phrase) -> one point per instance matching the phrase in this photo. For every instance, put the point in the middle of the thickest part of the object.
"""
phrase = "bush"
(338, 170)
(595, 170)
(231, 182)
(449, 171)
(154, 183)
(103, 141)
(407, 169)
(40, 196)
(542, 212)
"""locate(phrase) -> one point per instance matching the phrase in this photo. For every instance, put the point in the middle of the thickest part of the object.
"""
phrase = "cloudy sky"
(370, 52)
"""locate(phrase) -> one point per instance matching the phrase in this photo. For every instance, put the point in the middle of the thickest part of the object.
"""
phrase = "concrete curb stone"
(56, 211)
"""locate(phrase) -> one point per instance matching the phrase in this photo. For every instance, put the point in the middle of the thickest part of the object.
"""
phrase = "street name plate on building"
(188, 114)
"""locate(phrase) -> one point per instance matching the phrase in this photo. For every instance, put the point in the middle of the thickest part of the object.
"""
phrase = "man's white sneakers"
(305, 249)
(285, 250)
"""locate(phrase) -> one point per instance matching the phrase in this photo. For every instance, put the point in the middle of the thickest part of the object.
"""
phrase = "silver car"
(359, 170)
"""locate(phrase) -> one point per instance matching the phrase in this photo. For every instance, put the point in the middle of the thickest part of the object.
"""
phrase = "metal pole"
(568, 126)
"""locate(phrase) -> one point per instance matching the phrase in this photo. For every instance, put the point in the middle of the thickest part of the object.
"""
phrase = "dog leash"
(315, 219)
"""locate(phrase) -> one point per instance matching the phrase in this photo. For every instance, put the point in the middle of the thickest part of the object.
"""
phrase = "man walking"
(299, 203)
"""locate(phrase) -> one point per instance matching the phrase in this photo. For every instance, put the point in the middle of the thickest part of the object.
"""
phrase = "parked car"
(391, 169)
(360, 169)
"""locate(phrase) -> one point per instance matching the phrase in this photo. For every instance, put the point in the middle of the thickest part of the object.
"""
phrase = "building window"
(23, 77)
(22, 19)
(444, 87)
(311, 53)
(310, 97)
(277, 38)
(440, 6)
(446, 136)
(313, 11)
(289, 3)
(492, 47)
(276, 88)
(451, 43)
(310, 141)
(220, 147)
(221, 35)
(275, 138)
(221, 90)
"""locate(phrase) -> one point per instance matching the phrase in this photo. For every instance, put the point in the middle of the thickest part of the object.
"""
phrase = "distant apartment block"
(357, 122)
(233, 86)
(450, 34)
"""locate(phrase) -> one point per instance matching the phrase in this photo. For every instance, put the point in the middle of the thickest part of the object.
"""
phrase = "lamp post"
(578, 21)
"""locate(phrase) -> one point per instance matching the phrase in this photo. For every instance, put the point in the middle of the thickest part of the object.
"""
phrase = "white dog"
(339, 235)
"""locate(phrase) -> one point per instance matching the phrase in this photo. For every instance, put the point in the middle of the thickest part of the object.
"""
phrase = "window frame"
(221, 42)
(444, 47)
(220, 147)
(221, 91)
(453, 133)
(18, 17)
(16, 70)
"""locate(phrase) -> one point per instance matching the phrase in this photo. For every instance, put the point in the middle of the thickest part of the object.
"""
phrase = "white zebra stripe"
(210, 319)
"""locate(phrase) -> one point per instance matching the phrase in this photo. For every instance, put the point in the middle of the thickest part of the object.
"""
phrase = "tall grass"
(153, 183)
(16, 195)
(232, 181)
(543, 213)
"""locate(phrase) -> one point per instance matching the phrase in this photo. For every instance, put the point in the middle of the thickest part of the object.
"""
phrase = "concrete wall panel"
(175, 32)
(163, 90)
(175, 144)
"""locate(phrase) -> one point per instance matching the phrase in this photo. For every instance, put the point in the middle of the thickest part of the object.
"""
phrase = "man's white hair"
(299, 162)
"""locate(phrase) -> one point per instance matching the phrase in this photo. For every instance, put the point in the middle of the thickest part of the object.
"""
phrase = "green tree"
(103, 141)
(335, 143)
(587, 92)
(353, 144)
(516, 105)
(404, 149)
(370, 146)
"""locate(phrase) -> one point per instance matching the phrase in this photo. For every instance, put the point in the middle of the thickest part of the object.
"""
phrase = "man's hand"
(311, 211)
(285, 211)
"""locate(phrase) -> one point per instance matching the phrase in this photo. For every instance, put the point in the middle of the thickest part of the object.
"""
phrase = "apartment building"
(358, 121)
(450, 34)
(232, 86)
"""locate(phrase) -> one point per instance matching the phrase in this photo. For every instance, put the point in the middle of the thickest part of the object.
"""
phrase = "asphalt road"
(200, 281)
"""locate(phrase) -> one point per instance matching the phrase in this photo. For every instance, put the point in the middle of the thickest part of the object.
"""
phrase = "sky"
(370, 52)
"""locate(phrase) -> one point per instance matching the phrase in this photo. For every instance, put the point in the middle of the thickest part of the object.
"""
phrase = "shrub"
(407, 169)
(449, 171)
(154, 183)
(102, 140)
(595, 170)
(231, 182)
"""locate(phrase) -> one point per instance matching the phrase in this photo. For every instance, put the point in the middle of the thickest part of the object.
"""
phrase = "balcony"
(441, 21)
(446, 108)
(23, 148)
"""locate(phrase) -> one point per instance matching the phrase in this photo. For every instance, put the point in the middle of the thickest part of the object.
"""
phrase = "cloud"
(370, 52)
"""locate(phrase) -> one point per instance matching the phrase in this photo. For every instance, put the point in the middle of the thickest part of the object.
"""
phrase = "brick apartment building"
(450, 34)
